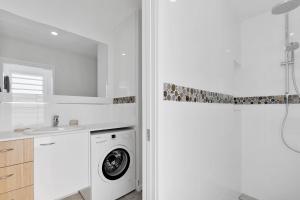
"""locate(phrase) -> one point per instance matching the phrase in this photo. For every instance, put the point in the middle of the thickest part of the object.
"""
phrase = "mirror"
(40, 59)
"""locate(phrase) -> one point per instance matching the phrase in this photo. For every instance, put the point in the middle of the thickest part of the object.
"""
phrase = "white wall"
(270, 170)
(20, 115)
(199, 146)
(125, 44)
(74, 74)
(126, 51)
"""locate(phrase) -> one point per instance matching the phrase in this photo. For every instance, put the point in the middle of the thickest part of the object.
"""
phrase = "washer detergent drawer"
(100, 139)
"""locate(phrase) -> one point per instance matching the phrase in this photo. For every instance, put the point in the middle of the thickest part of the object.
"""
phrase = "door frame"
(150, 99)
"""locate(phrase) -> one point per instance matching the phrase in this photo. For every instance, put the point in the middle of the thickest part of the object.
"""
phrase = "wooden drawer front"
(16, 152)
(21, 194)
(28, 150)
(11, 153)
(16, 177)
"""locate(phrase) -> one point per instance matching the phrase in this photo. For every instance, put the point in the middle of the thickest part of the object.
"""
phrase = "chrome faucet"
(55, 120)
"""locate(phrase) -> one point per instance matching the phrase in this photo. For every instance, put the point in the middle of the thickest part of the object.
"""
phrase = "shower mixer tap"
(290, 54)
(284, 64)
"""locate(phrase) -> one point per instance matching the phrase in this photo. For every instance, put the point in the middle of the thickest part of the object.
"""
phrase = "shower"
(285, 7)
(289, 63)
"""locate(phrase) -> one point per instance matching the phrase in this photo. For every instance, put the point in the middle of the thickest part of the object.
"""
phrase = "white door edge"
(150, 100)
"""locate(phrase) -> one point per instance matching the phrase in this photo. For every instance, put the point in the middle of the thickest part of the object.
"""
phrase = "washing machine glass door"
(116, 164)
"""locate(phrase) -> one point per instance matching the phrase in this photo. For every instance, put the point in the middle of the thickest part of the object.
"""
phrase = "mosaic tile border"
(278, 99)
(174, 92)
(124, 100)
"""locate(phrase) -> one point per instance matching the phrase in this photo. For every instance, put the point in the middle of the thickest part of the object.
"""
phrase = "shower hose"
(287, 112)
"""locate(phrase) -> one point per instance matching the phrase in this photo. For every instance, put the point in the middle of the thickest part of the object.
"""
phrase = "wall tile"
(174, 92)
(123, 100)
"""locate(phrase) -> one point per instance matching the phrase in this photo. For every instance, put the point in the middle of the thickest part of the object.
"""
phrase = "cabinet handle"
(6, 177)
(48, 144)
(6, 150)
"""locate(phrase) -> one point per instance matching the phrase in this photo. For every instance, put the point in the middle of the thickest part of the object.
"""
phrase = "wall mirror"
(40, 59)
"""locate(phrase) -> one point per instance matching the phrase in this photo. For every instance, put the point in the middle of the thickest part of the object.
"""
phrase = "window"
(27, 82)
(29, 88)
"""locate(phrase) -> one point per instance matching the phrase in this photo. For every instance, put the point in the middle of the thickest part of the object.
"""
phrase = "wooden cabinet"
(16, 152)
(16, 170)
(21, 194)
(28, 150)
(11, 153)
(16, 177)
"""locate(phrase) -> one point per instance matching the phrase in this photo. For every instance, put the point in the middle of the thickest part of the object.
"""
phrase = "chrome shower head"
(285, 7)
(293, 46)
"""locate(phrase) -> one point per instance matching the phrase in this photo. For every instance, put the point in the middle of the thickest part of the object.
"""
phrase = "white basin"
(46, 130)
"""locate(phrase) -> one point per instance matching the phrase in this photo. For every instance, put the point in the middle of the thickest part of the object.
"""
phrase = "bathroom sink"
(46, 130)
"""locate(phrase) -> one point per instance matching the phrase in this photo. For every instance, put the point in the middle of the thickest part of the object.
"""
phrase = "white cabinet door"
(44, 168)
(61, 165)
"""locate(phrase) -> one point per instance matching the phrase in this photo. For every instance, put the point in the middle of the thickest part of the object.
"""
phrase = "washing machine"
(112, 164)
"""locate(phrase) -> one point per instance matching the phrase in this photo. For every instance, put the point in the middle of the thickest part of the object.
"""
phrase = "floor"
(131, 196)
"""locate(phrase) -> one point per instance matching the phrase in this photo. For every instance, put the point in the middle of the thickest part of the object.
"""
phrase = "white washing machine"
(112, 164)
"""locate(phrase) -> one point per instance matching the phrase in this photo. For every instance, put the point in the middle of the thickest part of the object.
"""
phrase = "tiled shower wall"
(199, 146)
(233, 120)
(269, 169)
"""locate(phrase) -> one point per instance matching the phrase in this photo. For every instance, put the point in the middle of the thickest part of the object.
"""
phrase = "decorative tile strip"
(124, 100)
(174, 92)
(294, 99)
(279, 99)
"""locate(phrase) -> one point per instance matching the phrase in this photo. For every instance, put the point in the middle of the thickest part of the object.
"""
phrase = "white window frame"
(33, 69)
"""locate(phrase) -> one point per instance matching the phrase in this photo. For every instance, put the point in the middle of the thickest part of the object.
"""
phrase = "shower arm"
(287, 30)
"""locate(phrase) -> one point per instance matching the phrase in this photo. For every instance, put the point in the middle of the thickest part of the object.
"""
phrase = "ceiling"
(103, 12)
(249, 8)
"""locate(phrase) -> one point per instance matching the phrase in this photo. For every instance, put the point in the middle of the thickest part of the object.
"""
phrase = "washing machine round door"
(116, 164)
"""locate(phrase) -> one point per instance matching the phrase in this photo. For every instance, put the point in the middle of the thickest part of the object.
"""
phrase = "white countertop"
(107, 126)
(11, 135)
